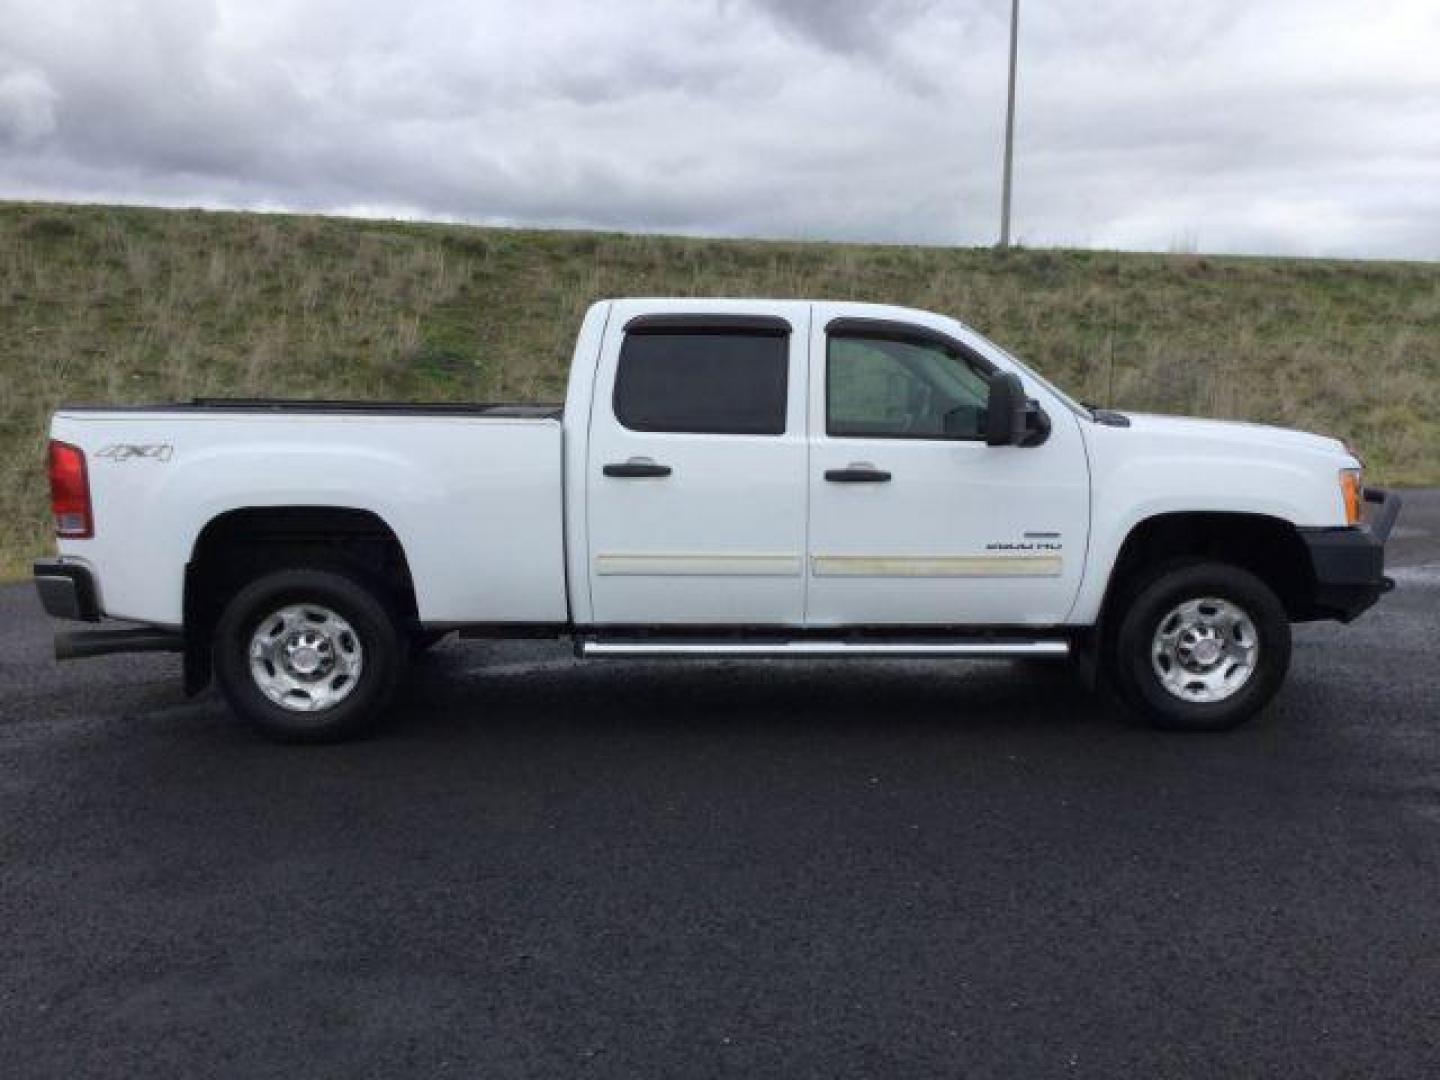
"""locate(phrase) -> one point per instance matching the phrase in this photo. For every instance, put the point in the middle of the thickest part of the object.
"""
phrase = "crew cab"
(765, 479)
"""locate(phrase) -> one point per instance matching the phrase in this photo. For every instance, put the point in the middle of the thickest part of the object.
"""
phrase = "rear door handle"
(857, 473)
(636, 467)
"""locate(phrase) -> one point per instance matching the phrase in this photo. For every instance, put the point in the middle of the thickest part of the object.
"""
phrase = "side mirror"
(1005, 416)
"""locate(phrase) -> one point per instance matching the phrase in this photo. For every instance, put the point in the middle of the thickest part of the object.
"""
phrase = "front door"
(697, 464)
(913, 518)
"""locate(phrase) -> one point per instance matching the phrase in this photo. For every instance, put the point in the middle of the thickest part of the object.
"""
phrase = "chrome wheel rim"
(306, 658)
(1205, 650)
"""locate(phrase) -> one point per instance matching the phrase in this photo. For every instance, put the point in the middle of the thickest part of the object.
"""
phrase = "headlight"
(1352, 491)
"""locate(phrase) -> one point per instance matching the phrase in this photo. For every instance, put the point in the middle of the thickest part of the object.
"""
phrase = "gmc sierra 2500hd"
(726, 478)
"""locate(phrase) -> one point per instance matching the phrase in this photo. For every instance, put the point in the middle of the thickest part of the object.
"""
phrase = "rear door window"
(703, 382)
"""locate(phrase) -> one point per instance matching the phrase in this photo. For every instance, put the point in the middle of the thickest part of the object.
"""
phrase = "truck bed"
(473, 494)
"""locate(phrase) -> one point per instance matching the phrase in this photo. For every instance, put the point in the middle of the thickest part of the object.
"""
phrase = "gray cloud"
(27, 106)
(859, 28)
(1289, 127)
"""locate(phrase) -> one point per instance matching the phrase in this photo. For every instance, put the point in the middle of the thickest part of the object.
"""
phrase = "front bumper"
(1349, 562)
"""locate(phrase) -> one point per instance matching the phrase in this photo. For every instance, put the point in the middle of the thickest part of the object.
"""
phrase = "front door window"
(894, 389)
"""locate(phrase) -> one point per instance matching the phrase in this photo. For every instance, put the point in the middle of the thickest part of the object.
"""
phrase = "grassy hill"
(121, 304)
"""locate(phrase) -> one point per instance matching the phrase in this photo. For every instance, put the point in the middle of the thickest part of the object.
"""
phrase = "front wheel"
(1201, 647)
(308, 655)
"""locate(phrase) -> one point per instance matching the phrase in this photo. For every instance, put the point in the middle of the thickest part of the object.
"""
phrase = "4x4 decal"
(119, 452)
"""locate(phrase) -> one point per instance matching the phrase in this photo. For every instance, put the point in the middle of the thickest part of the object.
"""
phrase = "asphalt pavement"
(549, 868)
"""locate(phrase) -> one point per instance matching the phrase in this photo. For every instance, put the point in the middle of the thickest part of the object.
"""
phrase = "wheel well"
(1268, 547)
(236, 546)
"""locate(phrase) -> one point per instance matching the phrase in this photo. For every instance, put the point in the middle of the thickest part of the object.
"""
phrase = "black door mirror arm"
(1037, 424)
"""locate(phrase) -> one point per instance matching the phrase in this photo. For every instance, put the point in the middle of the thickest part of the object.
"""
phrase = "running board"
(828, 650)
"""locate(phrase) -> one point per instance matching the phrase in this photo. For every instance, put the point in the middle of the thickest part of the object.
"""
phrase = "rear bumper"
(67, 590)
(1349, 562)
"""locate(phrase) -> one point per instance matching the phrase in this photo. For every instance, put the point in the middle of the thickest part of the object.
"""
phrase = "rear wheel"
(1201, 647)
(308, 655)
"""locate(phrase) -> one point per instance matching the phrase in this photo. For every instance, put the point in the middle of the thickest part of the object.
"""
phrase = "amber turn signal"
(1352, 492)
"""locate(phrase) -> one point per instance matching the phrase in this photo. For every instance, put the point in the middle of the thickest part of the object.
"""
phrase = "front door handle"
(636, 467)
(857, 473)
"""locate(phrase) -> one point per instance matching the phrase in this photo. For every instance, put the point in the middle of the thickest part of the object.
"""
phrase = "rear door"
(697, 464)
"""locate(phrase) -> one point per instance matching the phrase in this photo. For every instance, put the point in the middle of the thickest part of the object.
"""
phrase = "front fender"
(1128, 493)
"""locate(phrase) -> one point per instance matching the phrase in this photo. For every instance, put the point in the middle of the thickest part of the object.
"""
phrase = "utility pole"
(1010, 126)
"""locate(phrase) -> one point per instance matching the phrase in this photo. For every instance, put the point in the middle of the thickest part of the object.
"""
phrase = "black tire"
(382, 648)
(1151, 600)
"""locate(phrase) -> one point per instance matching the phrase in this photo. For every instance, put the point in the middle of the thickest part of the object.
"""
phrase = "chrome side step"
(814, 650)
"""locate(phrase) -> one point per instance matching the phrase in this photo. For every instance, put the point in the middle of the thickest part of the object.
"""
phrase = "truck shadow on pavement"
(460, 690)
(462, 693)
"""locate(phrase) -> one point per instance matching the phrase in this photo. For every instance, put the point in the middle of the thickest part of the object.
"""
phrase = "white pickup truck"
(726, 478)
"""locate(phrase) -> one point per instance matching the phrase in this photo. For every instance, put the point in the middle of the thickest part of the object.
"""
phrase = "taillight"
(70, 491)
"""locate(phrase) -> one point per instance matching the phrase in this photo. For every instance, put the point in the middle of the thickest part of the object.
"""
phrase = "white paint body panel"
(475, 502)
(1165, 465)
(508, 519)
(918, 548)
(722, 539)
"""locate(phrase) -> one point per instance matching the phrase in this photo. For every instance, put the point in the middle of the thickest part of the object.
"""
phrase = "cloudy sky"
(1290, 126)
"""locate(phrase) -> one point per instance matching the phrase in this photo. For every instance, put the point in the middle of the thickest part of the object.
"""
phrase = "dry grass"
(118, 304)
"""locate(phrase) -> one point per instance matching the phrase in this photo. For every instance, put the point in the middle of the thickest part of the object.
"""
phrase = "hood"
(1235, 432)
